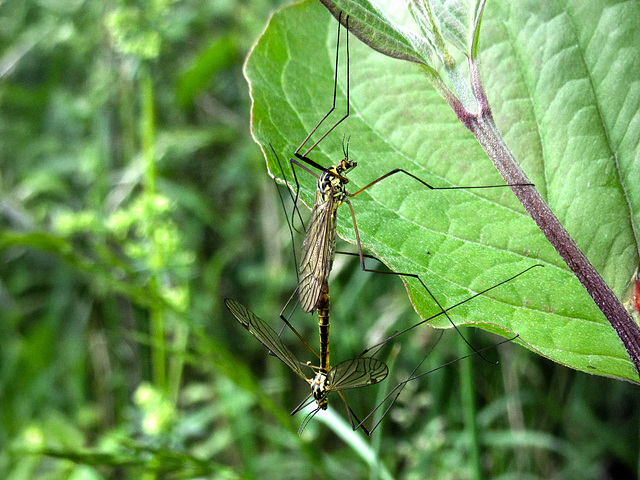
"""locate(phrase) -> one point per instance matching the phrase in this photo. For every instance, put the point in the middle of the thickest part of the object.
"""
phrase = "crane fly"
(357, 372)
(318, 247)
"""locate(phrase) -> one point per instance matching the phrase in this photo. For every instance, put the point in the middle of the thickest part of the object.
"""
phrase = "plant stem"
(147, 134)
(484, 129)
(469, 410)
(148, 131)
(486, 132)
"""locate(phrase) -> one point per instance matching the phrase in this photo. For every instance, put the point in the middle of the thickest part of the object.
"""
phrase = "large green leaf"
(562, 91)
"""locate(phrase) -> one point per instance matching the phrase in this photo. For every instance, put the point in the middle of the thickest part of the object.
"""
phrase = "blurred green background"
(133, 200)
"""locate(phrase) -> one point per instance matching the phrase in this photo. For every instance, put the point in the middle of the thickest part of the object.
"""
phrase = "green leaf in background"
(560, 79)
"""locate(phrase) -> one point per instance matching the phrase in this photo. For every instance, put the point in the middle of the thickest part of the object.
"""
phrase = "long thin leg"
(404, 274)
(333, 106)
(353, 418)
(295, 211)
(397, 334)
(431, 187)
(292, 328)
(399, 387)
(304, 157)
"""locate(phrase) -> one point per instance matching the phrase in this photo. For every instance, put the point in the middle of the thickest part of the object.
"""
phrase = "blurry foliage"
(132, 201)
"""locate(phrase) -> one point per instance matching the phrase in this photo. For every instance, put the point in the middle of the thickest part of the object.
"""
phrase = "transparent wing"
(265, 334)
(317, 251)
(357, 372)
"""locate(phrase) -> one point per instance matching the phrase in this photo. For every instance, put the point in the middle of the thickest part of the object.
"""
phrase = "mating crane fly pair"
(316, 261)
(354, 373)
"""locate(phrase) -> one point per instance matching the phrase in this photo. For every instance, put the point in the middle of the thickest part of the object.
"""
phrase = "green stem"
(147, 134)
(148, 131)
(469, 412)
(176, 365)
(158, 359)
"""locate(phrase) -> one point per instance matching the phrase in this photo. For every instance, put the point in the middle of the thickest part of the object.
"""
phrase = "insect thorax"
(319, 389)
(331, 185)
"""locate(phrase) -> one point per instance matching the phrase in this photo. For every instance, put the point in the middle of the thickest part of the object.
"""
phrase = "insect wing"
(357, 372)
(265, 334)
(317, 251)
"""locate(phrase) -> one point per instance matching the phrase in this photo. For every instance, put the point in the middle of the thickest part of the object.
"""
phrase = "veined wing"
(265, 334)
(317, 250)
(357, 372)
